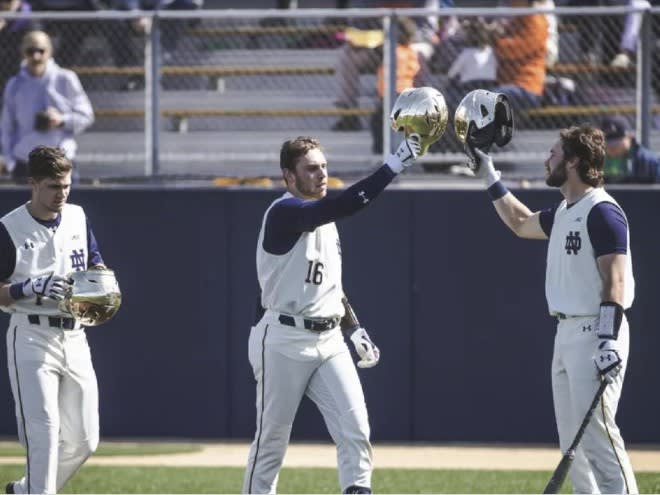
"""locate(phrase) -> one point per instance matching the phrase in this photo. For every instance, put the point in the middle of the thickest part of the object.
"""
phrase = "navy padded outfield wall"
(454, 301)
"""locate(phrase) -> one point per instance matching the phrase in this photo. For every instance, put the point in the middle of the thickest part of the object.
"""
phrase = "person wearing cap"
(627, 161)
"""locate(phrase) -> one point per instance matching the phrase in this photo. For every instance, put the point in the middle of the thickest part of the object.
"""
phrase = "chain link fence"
(215, 93)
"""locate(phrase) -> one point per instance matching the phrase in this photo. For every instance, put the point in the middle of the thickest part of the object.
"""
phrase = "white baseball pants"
(601, 463)
(56, 398)
(289, 362)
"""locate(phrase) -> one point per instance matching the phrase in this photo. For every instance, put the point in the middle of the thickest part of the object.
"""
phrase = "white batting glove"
(406, 153)
(368, 352)
(486, 169)
(607, 359)
(51, 286)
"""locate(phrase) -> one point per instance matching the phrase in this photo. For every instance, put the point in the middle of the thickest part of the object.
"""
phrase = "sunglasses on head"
(35, 49)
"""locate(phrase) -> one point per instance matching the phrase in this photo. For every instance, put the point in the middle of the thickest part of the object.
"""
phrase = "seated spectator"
(521, 47)
(627, 161)
(629, 36)
(44, 104)
(476, 65)
(411, 71)
(357, 58)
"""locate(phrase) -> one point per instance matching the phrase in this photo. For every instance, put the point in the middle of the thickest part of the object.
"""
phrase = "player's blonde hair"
(587, 144)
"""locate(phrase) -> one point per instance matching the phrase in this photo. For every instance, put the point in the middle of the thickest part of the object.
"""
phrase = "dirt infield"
(385, 456)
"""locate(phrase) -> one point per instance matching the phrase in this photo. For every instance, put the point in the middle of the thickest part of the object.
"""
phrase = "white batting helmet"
(481, 119)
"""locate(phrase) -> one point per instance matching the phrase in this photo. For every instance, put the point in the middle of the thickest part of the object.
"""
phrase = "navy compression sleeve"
(293, 216)
(94, 254)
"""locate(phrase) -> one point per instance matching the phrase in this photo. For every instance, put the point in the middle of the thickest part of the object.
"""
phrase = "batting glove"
(607, 359)
(368, 352)
(405, 155)
(51, 286)
(485, 169)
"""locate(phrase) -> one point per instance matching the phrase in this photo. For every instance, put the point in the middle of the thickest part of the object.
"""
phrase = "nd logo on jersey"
(77, 259)
(573, 242)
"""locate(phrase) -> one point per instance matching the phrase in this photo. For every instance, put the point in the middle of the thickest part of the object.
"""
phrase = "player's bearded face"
(310, 178)
(557, 175)
(555, 167)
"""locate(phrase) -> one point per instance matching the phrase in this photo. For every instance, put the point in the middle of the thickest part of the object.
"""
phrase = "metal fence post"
(389, 75)
(644, 92)
(152, 96)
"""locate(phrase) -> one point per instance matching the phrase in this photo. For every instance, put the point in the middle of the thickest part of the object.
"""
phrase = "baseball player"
(50, 366)
(589, 284)
(297, 347)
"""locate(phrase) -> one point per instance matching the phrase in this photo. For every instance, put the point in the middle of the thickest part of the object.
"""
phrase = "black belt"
(318, 325)
(54, 321)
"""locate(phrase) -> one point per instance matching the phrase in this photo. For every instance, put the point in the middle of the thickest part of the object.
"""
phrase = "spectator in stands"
(411, 71)
(521, 48)
(627, 161)
(364, 54)
(476, 65)
(44, 104)
(11, 34)
(629, 36)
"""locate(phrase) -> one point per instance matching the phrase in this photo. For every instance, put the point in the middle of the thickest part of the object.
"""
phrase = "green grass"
(98, 479)
(13, 449)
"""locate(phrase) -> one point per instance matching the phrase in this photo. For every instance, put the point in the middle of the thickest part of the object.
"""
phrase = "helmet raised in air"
(420, 111)
(481, 119)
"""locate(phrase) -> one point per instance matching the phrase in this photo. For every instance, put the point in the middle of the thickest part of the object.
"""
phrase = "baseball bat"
(351, 321)
(558, 477)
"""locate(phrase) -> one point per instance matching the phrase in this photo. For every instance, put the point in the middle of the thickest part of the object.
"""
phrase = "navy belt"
(53, 321)
(316, 325)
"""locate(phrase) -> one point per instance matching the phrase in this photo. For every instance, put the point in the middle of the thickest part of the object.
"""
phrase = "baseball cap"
(615, 127)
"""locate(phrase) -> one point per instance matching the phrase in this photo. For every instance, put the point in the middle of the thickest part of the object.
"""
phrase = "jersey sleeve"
(289, 218)
(7, 254)
(608, 229)
(94, 254)
(547, 219)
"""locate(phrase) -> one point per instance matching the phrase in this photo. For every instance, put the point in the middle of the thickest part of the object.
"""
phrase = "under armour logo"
(578, 219)
(78, 259)
(28, 244)
(363, 195)
(573, 242)
(586, 328)
(607, 357)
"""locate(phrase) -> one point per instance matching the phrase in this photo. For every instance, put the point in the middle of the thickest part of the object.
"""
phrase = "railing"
(264, 76)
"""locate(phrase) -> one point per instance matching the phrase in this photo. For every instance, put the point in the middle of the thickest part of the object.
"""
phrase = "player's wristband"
(497, 190)
(395, 164)
(16, 291)
(609, 321)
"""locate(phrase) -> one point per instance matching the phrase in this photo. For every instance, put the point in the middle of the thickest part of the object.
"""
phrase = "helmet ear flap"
(503, 120)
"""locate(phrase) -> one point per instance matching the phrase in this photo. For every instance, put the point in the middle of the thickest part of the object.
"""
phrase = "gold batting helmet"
(93, 296)
(420, 111)
(481, 119)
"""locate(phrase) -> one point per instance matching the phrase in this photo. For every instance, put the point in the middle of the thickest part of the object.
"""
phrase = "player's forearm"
(512, 212)
(612, 269)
